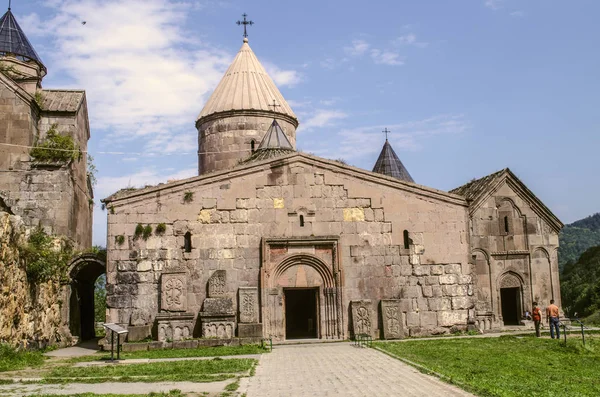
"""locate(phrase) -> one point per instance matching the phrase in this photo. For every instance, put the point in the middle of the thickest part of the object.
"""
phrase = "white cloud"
(321, 118)
(410, 39)
(517, 14)
(359, 47)
(386, 58)
(493, 4)
(282, 77)
(404, 136)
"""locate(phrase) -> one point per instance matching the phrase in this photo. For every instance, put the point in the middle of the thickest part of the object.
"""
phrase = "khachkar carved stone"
(363, 319)
(248, 304)
(175, 326)
(217, 284)
(218, 315)
(392, 319)
(174, 292)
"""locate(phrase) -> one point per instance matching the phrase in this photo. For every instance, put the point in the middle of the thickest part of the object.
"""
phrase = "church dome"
(389, 164)
(14, 42)
(246, 86)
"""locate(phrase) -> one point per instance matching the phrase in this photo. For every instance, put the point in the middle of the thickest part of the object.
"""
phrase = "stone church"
(270, 242)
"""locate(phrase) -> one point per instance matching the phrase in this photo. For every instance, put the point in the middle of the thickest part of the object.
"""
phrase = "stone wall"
(512, 245)
(224, 141)
(27, 313)
(229, 214)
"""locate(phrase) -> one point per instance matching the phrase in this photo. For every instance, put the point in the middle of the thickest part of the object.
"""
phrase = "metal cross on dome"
(386, 132)
(274, 105)
(245, 23)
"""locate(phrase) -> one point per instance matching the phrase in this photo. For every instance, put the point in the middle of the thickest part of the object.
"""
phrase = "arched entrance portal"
(83, 272)
(301, 291)
(511, 299)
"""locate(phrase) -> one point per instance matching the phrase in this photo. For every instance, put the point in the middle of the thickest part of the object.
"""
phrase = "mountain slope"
(580, 284)
(577, 237)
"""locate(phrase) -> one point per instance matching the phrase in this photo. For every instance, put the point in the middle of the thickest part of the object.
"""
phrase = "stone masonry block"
(412, 319)
(448, 279)
(453, 269)
(437, 270)
(454, 317)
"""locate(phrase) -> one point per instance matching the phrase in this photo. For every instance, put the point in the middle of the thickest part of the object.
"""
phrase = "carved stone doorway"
(84, 271)
(301, 313)
(511, 305)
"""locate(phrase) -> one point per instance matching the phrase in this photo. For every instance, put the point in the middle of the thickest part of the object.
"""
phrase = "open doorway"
(88, 297)
(511, 305)
(301, 313)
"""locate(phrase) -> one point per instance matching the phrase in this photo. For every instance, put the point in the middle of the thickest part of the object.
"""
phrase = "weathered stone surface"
(174, 292)
(248, 305)
(363, 317)
(218, 305)
(217, 284)
(139, 332)
(250, 330)
(393, 327)
(175, 326)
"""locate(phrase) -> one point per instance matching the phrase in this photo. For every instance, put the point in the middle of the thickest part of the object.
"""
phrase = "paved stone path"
(340, 370)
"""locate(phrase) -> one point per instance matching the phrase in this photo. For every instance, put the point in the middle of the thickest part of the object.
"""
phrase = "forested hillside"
(577, 237)
(580, 284)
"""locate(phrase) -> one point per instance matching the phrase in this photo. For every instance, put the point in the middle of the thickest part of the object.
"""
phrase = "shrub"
(120, 239)
(147, 232)
(161, 228)
(139, 230)
(46, 257)
(55, 148)
(188, 197)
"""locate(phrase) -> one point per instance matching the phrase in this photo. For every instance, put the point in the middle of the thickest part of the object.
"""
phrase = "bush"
(55, 148)
(161, 228)
(139, 230)
(46, 257)
(147, 232)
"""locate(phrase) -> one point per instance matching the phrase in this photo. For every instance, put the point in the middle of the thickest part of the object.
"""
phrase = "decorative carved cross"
(386, 132)
(274, 106)
(245, 23)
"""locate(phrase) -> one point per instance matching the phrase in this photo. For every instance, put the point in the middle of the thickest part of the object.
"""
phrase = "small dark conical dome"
(389, 164)
(274, 144)
(14, 42)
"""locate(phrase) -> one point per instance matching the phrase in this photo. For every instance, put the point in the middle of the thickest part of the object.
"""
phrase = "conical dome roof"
(389, 164)
(274, 144)
(246, 86)
(13, 41)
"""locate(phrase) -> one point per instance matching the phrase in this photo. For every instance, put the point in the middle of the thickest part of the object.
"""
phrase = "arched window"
(252, 144)
(506, 229)
(187, 242)
(301, 220)
(406, 240)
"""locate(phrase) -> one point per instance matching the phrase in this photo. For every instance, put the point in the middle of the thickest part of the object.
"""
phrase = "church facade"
(270, 242)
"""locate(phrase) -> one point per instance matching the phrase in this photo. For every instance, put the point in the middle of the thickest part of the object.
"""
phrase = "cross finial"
(274, 106)
(386, 132)
(245, 23)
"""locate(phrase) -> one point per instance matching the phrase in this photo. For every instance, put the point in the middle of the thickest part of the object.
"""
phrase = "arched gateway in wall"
(301, 291)
(84, 270)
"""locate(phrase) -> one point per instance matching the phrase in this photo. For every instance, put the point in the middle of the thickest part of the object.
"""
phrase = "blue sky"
(466, 87)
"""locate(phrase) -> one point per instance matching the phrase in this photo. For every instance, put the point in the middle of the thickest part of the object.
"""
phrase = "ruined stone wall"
(27, 313)
(227, 215)
(512, 244)
(223, 142)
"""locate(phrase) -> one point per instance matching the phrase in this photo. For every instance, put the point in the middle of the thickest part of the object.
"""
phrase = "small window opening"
(406, 240)
(252, 143)
(187, 242)
(506, 230)
(301, 220)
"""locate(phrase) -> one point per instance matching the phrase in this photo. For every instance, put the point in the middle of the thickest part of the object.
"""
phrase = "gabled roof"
(62, 100)
(389, 164)
(13, 41)
(246, 86)
(477, 190)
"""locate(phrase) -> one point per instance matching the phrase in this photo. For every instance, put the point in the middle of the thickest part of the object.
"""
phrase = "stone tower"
(238, 114)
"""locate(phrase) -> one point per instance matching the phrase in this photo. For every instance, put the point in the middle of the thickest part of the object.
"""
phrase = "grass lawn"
(510, 366)
(172, 393)
(176, 353)
(192, 371)
(11, 360)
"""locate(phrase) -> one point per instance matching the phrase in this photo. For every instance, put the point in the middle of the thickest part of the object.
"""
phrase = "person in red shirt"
(536, 315)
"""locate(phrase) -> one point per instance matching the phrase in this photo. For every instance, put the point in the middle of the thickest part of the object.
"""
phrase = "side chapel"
(270, 242)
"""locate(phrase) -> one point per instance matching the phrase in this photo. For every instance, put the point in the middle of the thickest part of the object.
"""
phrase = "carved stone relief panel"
(510, 281)
(173, 292)
(392, 319)
(248, 304)
(217, 284)
(363, 318)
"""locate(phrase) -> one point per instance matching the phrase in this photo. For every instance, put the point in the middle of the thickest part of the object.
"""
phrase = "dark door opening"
(300, 313)
(87, 303)
(511, 305)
